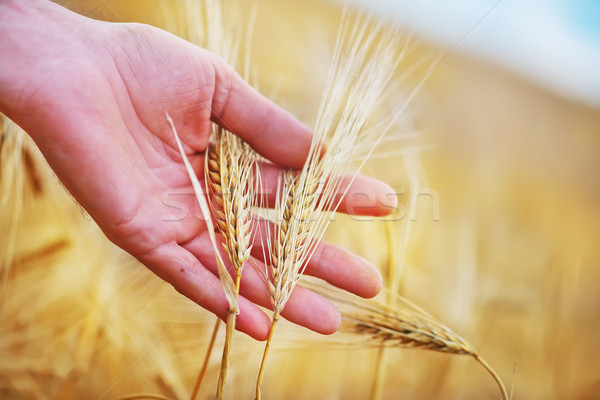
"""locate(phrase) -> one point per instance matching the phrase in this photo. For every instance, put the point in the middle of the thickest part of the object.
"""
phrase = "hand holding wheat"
(93, 95)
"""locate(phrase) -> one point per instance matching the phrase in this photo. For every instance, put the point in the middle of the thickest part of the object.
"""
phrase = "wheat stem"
(230, 327)
(356, 83)
(261, 371)
(229, 330)
(228, 167)
(494, 375)
(379, 378)
(211, 345)
(238, 278)
(226, 280)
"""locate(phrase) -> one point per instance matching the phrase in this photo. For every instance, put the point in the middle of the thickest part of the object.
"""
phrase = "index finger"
(270, 130)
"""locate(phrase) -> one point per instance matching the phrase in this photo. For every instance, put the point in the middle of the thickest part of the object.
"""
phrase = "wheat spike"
(358, 78)
(405, 326)
(229, 161)
(410, 327)
(400, 324)
(363, 63)
(228, 171)
(229, 174)
(229, 287)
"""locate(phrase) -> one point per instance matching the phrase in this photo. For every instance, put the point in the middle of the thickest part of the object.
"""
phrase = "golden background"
(503, 249)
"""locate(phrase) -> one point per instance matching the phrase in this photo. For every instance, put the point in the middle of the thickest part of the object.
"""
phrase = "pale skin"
(94, 95)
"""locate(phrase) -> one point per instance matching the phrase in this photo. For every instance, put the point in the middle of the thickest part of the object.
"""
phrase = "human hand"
(94, 95)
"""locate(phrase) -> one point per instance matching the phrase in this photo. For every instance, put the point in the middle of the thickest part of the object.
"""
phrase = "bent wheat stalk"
(414, 328)
(400, 324)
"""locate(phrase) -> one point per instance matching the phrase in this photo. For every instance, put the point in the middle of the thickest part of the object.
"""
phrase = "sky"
(553, 43)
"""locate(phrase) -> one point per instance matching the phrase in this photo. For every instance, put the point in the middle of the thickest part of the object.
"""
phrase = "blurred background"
(497, 172)
(555, 43)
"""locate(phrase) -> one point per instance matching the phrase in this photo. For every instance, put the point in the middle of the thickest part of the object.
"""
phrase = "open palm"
(95, 102)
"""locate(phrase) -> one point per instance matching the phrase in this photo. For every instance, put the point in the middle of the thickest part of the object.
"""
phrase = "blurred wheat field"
(501, 247)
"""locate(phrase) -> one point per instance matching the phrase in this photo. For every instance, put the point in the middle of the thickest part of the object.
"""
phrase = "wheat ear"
(229, 161)
(226, 281)
(364, 61)
(229, 175)
(224, 277)
(405, 325)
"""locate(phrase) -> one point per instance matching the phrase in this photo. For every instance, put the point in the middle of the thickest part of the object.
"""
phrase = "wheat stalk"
(364, 61)
(204, 368)
(229, 172)
(417, 331)
(229, 175)
(401, 324)
(229, 287)
(394, 267)
(229, 161)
